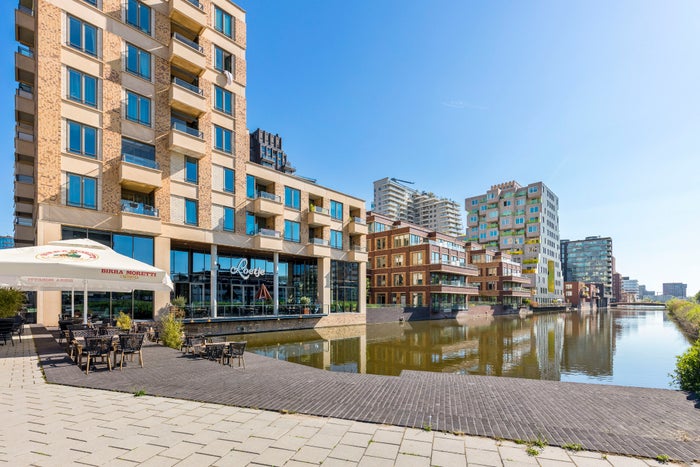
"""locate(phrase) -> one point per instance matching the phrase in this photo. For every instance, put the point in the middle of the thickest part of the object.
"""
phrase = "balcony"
(187, 141)
(187, 98)
(188, 13)
(454, 287)
(24, 140)
(24, 233)
(24, 190)
(187, 54)
(24, 25)
(267, 239)
(454, 268)
(357, 254)
(357, 226)
(319, 217)
(139, 174)
(267, 205)
(25, 62)
(318, 247)
(24, 99)
(139, 218)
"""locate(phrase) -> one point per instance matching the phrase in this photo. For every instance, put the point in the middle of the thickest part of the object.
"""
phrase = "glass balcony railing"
(189, 43)
(25, 90)
(182, 127)
(139, 208)
(270, 196)
(269, 233)
(318, 241)
(142, 161)
(358, 220)
(26, 51)
(196, 4)
(319, 210)
(25, 9)
(189, 86)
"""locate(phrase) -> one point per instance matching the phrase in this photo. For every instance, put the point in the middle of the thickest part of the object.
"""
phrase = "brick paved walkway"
(631, 421)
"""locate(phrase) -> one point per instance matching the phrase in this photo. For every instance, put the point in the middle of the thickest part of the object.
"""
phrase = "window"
(138, 15)
(519, 220)
(228, 180)
(336, 210)
(223, 61)
(398, 260)
(251, 224)
(82, 88)
(222, 139)
(380, 280)
(138, 62)
(138, 108)
(223, 100)
(534, 209)
(82, 36)
(222, 22)
(473, 219)
(381, 243)
(490, 196)
(475, 202)
(291, 231)
(82, 139)
(434, 257)
(292, 198)
(81, 191)
(398, 279)
(507, 203)
(380, 261)
(191, 214)
(91, 2)
(532, 189)
(417, 258)
(505, 221)
(531, 228)
(139, 153)
(493, 214)
(228, 218)
(337, 239)
(250, 186)
(191, 170)
(417, 278)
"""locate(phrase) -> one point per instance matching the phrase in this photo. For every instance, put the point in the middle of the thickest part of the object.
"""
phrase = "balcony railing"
(196, 4)
(269, 233)
(358, 220)
(452, 283)
(189, 43)
(25, 9)
(319, 209)
(25, 133)
(142, 161)
(26, 51)
(180, 126)
(270, 196)
(189, 86)
(319, 241)
(139, 208)
(25, 90)
(358, 249)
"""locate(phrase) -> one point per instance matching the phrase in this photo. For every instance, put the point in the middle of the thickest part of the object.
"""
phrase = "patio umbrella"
(263, 293)
(75, 264)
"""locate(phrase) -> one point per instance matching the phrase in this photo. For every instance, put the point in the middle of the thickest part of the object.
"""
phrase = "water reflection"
(634, 348)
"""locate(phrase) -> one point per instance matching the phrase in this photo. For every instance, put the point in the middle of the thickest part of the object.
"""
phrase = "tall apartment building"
(522, 221)
(394, 199)
(131, 130)
(589, 261)
(266, 150)
(675, 289)
(413, 266)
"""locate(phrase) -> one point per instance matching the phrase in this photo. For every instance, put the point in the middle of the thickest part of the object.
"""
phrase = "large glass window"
(138, 62)
(191, 212)
(138, 15)
(291, 231)
(139, 153)
(223, 61)
(250, 186)
(82, 139)
(191, 170)
(82, 88)
(228, 218)
(344, 287)
(138, 108)
(222, 139)
(336, 210)
(337, 239)
(223, 22)
(229, 180)
(251, 224)
(223, 100)
(81, 191)
(292, 198)
(82, 36)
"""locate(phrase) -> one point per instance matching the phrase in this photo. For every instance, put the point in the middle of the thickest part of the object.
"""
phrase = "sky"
(599, 100)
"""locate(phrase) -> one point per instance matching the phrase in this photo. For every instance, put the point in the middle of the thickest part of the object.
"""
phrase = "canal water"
(633, 347)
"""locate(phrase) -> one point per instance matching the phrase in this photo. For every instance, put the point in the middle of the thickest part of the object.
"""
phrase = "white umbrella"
(78, 263)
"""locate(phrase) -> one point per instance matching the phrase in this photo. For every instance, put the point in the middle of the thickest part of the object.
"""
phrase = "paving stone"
(448, 445)
(235, 458)
(311, 455)
(141, 453)
(416, 448)
(406, 460)
(332, 462)
(384, 450)
(516, 454)
(621, 461)
(554, 463)
(356, 439)
(369, 461)
(255, 445)
(419, 435)
(386, 436)
(218, 447)
(198, 459)
(159, 461)
(324, 441)
(348, 453)
(448, 459)
(554, 453)
(590, 461)
(274, 456)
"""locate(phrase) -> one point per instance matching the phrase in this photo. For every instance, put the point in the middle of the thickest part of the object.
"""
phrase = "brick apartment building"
(500, 280)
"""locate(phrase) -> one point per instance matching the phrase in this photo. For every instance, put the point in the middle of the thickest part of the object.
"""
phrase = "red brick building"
(500, 280)
(412, 266)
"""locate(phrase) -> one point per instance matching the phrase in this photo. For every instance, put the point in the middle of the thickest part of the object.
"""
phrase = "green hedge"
(687, 314)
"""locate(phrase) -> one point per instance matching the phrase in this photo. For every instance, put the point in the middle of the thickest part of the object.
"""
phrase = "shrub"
(123, 321)
(171, 329)
(11, 301)
(687, 372)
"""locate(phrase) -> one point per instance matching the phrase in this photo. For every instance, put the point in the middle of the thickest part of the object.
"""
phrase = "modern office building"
(589, 261)
(630, 289)
(416, 267)
(581, 295)
(131, 130)
(522, 221)
(266, 150)
(395, 199)
(675, 289)
(500, 280)
(7, 242)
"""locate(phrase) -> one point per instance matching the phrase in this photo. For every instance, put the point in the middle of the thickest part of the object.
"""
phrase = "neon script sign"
(242, 270)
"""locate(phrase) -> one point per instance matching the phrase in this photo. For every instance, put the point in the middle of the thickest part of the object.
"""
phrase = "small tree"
(123, 321)
(11, 301)
(171, 328)
(687, 372)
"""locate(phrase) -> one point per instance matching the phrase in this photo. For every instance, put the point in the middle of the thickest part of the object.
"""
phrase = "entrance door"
(199, 300)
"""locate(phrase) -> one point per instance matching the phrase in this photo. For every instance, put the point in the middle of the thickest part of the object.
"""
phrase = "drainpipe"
(212, 280)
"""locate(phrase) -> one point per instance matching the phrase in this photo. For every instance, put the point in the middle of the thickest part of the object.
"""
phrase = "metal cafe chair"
(234, 350)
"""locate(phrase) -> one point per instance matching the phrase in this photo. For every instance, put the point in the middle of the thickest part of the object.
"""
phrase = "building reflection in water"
(537, 347)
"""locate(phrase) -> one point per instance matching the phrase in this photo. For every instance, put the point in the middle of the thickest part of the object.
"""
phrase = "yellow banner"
(550, 276)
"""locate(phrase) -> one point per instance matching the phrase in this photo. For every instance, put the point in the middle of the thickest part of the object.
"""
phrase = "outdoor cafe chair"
(130, 344)
(6, 331)
(192, 344)
(235, 350)
(76, 339)
(18, 327)
(97, 346)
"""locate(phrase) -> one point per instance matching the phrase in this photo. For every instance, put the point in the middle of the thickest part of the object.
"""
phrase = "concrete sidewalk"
(49, 424)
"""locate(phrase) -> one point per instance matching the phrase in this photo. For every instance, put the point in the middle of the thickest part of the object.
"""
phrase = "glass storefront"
(345, 287)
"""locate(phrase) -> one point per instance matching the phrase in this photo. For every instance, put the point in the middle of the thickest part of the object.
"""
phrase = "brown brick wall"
(112, 116)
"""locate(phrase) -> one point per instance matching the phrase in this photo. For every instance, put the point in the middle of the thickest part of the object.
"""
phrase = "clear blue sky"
(597, 99)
